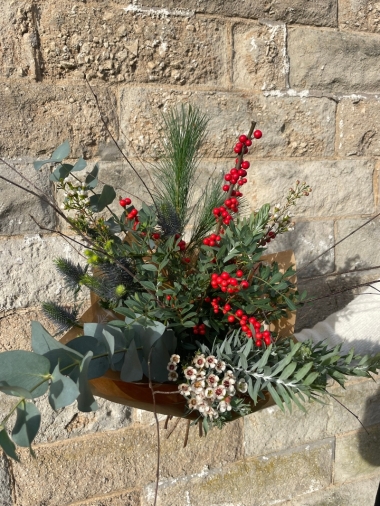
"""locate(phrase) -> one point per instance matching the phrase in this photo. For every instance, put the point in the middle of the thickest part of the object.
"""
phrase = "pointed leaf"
(83, 344)
(61, 172)
(63, 390)
(61, 152)
(80, 165)
(303, 371)
(39, 163)
(288, 371)
(92, 178)
(311, 378)
(132, 369)
(7, 444)
(86, 401)
(275, 397)
(27, 424)
(107, 196)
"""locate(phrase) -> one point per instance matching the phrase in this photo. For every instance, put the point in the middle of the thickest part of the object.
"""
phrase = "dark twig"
(117, 145)
(369, 283)
(187, 433)
(157, 426)
(347, 409)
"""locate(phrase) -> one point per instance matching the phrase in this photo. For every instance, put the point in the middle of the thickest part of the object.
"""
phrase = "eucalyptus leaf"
(15, 391)
(132, 369)
(106, 198)
(84, 344)
(61, 172)
(7, 444)
(92, 178)
(86, 401)
(61, 152)
(63, 390)
(24, 369)
(80, 165)
(27, 424)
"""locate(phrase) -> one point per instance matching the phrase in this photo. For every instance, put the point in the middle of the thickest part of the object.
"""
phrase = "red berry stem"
(237, 166)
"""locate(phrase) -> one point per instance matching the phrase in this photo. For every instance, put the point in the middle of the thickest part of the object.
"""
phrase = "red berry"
(128, 201)
(231, 319)
(226, 187)
(245, 165)
(257, 134)
(248, 142)
(122, 202)
(259, 342)
(168, 297)
(243, 138)
(208, 299)
(187, 260)
(239, 313)
(245, 328)
(239, 273)
(206, 242)
(227, 307)
(252, 320)
(244, 284)
(227, 177)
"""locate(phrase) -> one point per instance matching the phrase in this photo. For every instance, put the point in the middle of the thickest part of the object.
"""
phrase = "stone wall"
(308, 73)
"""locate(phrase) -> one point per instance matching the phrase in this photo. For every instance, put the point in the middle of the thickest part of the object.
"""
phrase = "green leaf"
(189, 324)
(148, 285)
(84, 344)
(44, 344)
(15, 391)
(296, 400)
(7, 444)
(132, 369)
(106, 198)
(275, 397)
(311, 378)
(92, 178)
(80, 165)
(242, 361)
(27, 424)
(125, 311)
(63, 390)
(264, 359)
(86, 401)
(290, 304)
(39, 163)
(149, 267)
(255, 390)
(24, 369)
(61, 152)
(303, 371)
(61, 172)
(288, 371)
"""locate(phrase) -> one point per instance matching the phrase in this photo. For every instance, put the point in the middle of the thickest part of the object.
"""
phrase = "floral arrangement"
(191, 296)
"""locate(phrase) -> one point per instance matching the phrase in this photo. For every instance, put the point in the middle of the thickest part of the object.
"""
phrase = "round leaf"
(25, 369)
(27, 424)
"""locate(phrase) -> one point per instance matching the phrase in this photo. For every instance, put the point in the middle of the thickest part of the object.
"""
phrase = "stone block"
(317, 63)
(259, 58)
(291, 126)
(357, 455)
(39, 117)
(5, 482)
(19, 57)
(308, 240)
(359, 250)
(129, 498)
(27, 266)
(82, 468)
(256, 481)
(353, 15)
(109, 43)
(358, 493)
(339, 187)
(17, 206)
(320, 13)
(358, 127)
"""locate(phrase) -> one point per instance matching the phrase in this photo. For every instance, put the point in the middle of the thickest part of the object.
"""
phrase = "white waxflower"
(220, 392)
(211, 361)
(229, 374)
(171, 366)
(198, 386)
(192, 403)
(242, 386)
(204, 407)
(228, 382)
(173, 376)
(222, 406)
(200, 374)
(209, 393)
(220, 366)
(190, 373)
(212, 380)
(184, 389)
(199, 361)
(175, 358)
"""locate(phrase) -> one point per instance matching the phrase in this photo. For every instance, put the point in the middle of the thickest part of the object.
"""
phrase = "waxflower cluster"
(210, 388)
(75, 194)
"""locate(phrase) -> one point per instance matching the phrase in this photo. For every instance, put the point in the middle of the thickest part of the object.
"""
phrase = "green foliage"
(71, 273)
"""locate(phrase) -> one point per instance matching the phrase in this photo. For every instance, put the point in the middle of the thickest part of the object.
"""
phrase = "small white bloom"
(175, 358)
(171, 366)
(192, 403)
(212, 380)
(211, 362)
(84, 185)
(242, 386)
(200, 396)
(199, 361)
(184, 389)
(220, 366)
(173, 376)
(200, 374)
(198, 386)
(222, 406)
(229, 374)
(190, 373)
(228, 382)
(220, 392)
(209, 393)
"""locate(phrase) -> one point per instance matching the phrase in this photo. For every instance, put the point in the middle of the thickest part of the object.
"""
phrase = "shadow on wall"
(332, 292)
(369, 442)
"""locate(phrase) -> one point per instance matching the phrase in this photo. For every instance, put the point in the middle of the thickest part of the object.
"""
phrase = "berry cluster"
(227, 283)
(125, 202)
(212, 240)
(200, 329)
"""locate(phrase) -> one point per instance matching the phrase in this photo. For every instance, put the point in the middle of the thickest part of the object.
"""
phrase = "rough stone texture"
(259, 58)
(358, 493)
(357, 454)
(319, 12)
(108, 43)
(131, 498)
(16, 205)
(358, 127)
(307, 469)
(19, 54)
(27, 271)
(293, 126)
(317, 63)
(353, 14)
(308, 240)
(117, 460)
(351, 254)
(270, 182)
(5, 482)
(39, 117)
